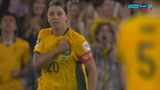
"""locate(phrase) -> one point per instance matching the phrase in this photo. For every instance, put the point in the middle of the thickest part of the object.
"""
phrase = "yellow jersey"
(12, 56)
(67, 71)
(139, 49)
(96, 22)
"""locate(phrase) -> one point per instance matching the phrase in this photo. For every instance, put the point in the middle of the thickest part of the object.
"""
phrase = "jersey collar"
(14, 39)
(66, 31)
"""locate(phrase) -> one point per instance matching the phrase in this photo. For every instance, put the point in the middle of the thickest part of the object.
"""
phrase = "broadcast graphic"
(147, 6)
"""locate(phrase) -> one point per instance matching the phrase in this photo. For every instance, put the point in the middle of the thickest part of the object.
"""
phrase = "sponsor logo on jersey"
(67, 53)
(37, 42)
(64, 57)
(17, 49)
(86, 46)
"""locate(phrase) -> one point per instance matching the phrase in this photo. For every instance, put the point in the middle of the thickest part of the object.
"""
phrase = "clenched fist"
(63, 45)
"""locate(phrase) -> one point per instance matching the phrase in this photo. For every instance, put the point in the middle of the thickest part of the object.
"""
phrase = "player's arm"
(92, 74)
(42, 60)
(85, 56)
(90, 65)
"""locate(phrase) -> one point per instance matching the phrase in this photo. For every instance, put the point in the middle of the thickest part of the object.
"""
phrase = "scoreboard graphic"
(147, 6)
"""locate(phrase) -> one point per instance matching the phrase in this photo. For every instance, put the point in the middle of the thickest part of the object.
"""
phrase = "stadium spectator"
(75, 21)
(35, 20)
(104, 9)
(14, 54)
(105, 59)
(117, 11)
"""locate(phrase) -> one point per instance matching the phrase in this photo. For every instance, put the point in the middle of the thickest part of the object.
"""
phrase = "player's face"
(39, 7)
(74, 11)
(56, 17)
(105, 35)
(8, 23)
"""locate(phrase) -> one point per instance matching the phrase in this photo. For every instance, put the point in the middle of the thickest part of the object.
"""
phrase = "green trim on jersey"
(81, 83)
(37, 52)
(66, 31)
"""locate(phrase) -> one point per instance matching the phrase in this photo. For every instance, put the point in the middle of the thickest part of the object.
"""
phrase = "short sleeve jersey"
(67, 71)
(13, 56)
(139, 49)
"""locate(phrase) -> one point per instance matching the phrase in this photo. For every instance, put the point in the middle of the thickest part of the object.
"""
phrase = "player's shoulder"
(75, 36)
(125, 23)
(45, 31)
(135, 18)
(132, 19)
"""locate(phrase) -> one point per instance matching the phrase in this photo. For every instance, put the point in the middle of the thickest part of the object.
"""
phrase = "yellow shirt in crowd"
(12, 56)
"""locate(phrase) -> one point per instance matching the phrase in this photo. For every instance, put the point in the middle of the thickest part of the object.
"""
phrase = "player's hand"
(15, 72)
(63, 45)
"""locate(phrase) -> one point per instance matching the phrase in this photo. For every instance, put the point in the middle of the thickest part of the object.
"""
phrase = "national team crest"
(86, 46)
(67, 53)
(37, 42)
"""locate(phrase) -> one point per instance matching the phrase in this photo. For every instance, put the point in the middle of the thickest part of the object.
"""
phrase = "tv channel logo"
(147, 6)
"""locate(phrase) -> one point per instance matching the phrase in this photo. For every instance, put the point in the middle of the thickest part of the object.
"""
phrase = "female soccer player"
(62, 55)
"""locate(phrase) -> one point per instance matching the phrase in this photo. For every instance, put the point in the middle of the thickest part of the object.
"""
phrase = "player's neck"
(59, 31)
(7, 36)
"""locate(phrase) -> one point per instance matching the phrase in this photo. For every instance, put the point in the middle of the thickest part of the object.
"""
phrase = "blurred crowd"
(97, 20)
